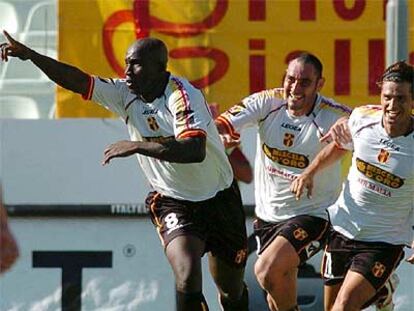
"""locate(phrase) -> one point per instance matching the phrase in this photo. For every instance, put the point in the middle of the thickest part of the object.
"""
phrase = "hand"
(339, 133)
(300, 183)
(8, 249)
(120, 149)
(13, 48)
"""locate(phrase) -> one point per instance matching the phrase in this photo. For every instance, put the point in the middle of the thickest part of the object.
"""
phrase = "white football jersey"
(180, 112)
(285, 147)
(377, 201)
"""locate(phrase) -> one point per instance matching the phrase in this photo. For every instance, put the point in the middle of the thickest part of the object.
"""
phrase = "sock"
(191, 302)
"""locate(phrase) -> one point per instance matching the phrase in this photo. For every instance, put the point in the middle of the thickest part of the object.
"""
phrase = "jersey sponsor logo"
(388, 143)
(383, 156)
(285, 157)
(152, 123)
(378, 269)
(236, 109)
(374, 187)
(149, 111)
(159, 139)
(300, 234)
(288, 139)
(291, 127)
(379, 175)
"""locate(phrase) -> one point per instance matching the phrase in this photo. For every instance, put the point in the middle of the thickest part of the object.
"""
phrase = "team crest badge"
(288, 139)
(383, 156)
(378, 269)
(300, 234)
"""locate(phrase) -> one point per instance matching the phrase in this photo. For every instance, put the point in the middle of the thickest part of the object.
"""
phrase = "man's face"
(301, 85)
(396, 102)
(141, 71)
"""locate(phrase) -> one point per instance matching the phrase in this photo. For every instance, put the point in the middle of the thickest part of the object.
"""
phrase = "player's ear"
(320, 83)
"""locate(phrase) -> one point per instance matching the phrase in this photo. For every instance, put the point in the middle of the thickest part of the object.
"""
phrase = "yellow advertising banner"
(230, 48)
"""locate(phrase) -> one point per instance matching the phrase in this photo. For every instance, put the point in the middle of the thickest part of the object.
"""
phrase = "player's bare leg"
(184, 254)
(276, 270)
(330, 294)
(354, 293)
(233, 294)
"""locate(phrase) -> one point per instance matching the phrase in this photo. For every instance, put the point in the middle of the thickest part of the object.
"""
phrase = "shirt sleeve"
(249, 112)
(189, 109)
(109, 93)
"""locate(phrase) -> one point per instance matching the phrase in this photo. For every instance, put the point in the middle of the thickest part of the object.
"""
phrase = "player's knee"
(187, 278)
(263, 271)
(345, 302)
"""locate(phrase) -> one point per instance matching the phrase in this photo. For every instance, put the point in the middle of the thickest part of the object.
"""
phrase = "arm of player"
(339, 133)
(240, 164)
(65, 75)
(8, 246)
(186, 150)
(327, 156)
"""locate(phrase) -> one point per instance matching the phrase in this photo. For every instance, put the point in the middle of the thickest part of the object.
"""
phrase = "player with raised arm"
(373, 216)
(290, 122)
(195, 204)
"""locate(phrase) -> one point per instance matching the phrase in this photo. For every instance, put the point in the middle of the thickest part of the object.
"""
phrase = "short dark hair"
(399, 72)
(308, 58)
(154, 49)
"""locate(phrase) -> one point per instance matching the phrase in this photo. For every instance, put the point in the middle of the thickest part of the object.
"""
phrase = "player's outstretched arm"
(339, 133)
(65, 75)
(187, 150)
(304, 182)
(8, 246)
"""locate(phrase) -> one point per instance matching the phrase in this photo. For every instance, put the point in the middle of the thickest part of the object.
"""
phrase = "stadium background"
(60, 197)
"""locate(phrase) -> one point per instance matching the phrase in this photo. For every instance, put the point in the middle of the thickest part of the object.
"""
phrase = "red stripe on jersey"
(192, 133)
(184, 97)
(91, 85)
(229, 127)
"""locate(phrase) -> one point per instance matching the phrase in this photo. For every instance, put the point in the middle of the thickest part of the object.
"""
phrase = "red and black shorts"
(307, 234)
(374, 260)
(219, 221)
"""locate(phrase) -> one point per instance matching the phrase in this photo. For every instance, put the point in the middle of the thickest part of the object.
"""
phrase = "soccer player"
(290, 121)
(9, 251)
(373, 216)
(195, 204)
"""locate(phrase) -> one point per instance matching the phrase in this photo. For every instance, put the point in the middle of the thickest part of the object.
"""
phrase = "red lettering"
(384, 10)
(349, 13)
(257, 10)
(342, 67)
(257, 66)
(376, 64)
(109, 28)
(219, 57)
(144, 19)
(307, 10)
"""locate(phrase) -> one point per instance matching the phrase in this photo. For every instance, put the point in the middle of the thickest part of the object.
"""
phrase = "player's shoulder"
(268, 98)
(176, 83)
(329, 105)
(367, 111)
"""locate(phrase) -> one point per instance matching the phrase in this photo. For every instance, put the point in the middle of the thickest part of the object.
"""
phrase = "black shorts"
(219, 221)
(374, 260)
(307, 234)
